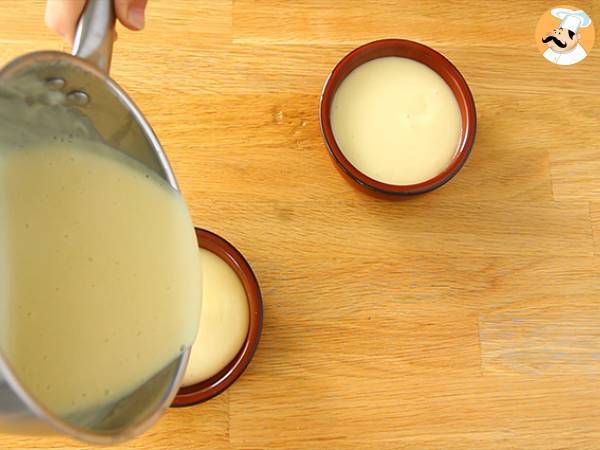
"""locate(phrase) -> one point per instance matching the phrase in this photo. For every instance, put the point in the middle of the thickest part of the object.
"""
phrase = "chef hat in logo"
(571, 19)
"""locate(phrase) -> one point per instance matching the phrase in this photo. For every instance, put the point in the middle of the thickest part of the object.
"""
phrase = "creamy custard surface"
(224, 322)
(396, 120)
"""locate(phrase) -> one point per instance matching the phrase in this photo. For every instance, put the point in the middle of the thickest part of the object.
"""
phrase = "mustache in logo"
(555, 40)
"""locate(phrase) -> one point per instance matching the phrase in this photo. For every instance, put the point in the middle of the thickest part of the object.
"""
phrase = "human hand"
(62, 15)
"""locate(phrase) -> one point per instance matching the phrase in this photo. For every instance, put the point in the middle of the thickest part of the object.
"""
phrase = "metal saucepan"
(48, 93)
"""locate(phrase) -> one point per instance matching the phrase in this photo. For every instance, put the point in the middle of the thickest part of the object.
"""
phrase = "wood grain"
(465, 318)
(595, 215)
(575, 172)
(543, 338)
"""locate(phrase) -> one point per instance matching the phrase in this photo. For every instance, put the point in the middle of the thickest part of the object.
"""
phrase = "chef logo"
(565, 35)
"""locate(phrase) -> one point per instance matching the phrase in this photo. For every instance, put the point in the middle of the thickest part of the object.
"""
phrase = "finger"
(62, 15)
(131, 13)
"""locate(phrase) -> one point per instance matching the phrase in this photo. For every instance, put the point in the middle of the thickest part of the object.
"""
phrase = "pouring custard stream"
(100, 280)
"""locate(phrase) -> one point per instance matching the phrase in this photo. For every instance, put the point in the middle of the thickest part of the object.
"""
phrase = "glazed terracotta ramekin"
(435, 61)
(207, 389)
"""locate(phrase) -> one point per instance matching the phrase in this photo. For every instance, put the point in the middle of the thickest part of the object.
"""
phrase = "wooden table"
(467, 318)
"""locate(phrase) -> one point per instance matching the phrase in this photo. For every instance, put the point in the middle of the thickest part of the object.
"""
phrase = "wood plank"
(367, 226)
(24, 34)
(575, 175)
(230, 129)
(595, 217)
(261, 68)
(468, 283)
(358, 21)
(414, 339)
(319, 409)
(182, 24)
(559, 336)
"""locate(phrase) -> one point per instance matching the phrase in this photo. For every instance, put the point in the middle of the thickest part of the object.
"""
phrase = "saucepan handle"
(95, 32)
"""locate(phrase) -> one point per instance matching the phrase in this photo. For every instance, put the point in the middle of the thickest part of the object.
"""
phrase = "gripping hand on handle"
(62, 15)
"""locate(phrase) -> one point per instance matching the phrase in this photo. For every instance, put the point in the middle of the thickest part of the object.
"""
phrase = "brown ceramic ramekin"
(207, 389)
(436, 62)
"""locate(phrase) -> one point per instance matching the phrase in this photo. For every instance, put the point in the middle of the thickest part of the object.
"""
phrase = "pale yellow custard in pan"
(100, 283)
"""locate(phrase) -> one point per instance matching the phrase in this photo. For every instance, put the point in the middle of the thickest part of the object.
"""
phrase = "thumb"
(131, 13)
